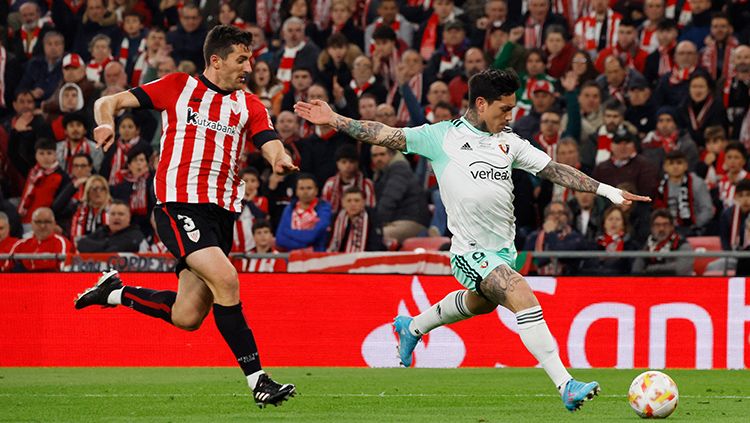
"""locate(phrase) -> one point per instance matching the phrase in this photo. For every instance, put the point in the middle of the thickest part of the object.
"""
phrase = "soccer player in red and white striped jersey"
(206, 122)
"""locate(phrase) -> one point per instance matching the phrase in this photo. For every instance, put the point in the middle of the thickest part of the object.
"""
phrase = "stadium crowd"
(651, 96)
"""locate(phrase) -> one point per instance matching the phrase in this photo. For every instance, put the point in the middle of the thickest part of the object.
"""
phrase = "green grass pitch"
(347, 395)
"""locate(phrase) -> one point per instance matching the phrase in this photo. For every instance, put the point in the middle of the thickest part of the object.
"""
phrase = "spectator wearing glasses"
(91, 213)
(663, 239)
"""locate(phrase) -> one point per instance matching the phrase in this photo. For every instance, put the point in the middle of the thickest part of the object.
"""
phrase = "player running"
(473, 157)
(205, 124)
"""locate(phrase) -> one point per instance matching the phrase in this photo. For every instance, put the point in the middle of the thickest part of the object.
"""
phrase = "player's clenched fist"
(104, 136)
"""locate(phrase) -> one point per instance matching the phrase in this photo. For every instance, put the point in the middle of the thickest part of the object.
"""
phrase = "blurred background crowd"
(648, 95)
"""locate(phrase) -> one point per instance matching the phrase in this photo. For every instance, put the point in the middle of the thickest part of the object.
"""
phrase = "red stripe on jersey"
(188, 144)
(209, 147)
(226, 163)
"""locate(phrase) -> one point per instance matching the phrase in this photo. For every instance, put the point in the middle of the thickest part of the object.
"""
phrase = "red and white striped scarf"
(429, 114)
(120, 158)
(428, 45)
(29, 40)
(259, 51)
(357, 239)
(262, 16)
(734, 230)
(86, 220)
(287, 64)
(696, 121)
(571, 9)
(532, 36)
(75, 5)
(35, 175)
(666, 61)
(611, 243)
(415, 83)
(125, 49)
(140, 66)
(685, 15)
(548, 144)
(654, 139)
(685, 199)
(337, 191)
(243, 240)
(603, 144)
(360, 89)
(94, 70)
(321, 13)
(3, 61)
(727, 187)
(305, 219)
(710, 58)
(649, 42)
(139, 196)
(69, 151)
(588, 29)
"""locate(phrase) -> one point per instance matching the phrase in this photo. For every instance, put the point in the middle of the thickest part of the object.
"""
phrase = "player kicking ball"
(473, 157)
(206, 121)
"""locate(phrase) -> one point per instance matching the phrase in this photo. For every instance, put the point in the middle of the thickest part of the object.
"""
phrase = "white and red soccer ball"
(653, 395)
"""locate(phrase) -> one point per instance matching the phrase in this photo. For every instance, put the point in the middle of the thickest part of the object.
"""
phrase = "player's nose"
(248, 67)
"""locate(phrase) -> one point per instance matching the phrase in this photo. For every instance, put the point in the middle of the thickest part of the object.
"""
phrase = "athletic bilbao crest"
(194, 235)
(440, 348)
(505, 148)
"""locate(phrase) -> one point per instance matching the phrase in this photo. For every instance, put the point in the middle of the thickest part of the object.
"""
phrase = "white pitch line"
(362, 395)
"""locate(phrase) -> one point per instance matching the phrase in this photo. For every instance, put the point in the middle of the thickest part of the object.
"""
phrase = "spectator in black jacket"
(96, 20)
(187, 39)
(118, 236)
(402, 205)
(43, 73)
(356, 228)
(136, 188)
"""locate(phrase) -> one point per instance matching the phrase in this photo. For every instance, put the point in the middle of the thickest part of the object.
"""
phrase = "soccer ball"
(653, 395)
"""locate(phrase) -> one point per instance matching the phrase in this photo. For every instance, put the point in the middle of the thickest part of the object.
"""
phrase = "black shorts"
(185, 228)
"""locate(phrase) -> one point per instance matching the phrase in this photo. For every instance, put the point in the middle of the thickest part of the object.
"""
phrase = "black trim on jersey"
(143, 99)
(213, 86)
(263, 137)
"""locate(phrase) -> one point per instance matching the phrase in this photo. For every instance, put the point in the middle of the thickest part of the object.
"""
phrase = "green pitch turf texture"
(347, 395)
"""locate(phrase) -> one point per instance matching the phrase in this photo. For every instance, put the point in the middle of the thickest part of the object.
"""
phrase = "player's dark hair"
(614, 105)
(220, 40)
(45, 144)
(663, 213)
(86, 156)
(250, 171)
(491, 84)
(736, 146)
(260, 224)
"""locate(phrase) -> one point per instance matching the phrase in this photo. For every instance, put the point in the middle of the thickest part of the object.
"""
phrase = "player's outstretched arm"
(573, 178)
(105, 110)
(376, 133)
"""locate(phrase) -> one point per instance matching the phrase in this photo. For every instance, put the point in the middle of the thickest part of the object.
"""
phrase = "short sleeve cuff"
(263, 137)
(143, 99)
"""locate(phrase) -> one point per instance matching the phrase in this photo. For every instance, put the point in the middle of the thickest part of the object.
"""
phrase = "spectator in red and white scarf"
(475, 61)
(715, 56)
(614, 238)
(735, 159)
(598, 29)
(701, 108)
(364, 81)
(115, 159)
(101, 54)
(119, 235)
(386, 54)
(614, 82)
(626, 47)
(43, 181)
(254, 208)
(76, 142)
(429, 36)
(685, 195)
(348, 175)
(70, 196)
(711, 164)
(654, 11)
(25, 43)
(495, 14)
(672, 88)
(626, 165)
(556, 234)
(133, 39)
(91, 212)
(558, 50)
(341, 23)
(306, 220)
(661, 61)
(356, 227)
(388, 15)
(302, 79)
(536, 21)
(733, 221)
(136, 188)
(668, 137)
(447, 61)
(148, 60)
(296, 53)
(664, 238)
(264, 241)
(42, 74)
(735, 91)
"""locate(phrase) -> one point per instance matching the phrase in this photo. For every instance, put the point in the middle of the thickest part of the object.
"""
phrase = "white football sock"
(115, 297)
(539, 341)
(252, 379)
(450, 309)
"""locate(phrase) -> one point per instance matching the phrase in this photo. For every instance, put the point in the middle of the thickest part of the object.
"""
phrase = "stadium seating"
(704, 243)
(428, 243)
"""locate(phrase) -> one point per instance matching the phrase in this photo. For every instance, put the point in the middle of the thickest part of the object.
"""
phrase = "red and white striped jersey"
(204, 131)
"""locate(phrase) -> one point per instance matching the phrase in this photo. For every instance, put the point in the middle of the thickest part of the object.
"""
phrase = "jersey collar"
(213, 86)
(473, 128)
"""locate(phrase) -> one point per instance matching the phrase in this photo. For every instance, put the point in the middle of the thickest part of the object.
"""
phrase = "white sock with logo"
(450, 309)
(252, 380)
(539, 341)
(115, 297)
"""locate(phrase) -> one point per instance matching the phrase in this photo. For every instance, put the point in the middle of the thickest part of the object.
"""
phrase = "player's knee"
(227, 280)
(187, 322)
(523, 297)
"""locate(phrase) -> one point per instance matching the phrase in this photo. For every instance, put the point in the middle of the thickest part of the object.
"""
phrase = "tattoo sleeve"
(569, 177)
(370, 132)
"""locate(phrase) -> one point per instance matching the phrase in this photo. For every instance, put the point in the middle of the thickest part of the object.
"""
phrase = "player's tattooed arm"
(569, 177)
(371, 132)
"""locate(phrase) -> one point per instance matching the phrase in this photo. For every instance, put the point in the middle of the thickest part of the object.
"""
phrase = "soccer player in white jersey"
(473, 157)
(206, 122)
